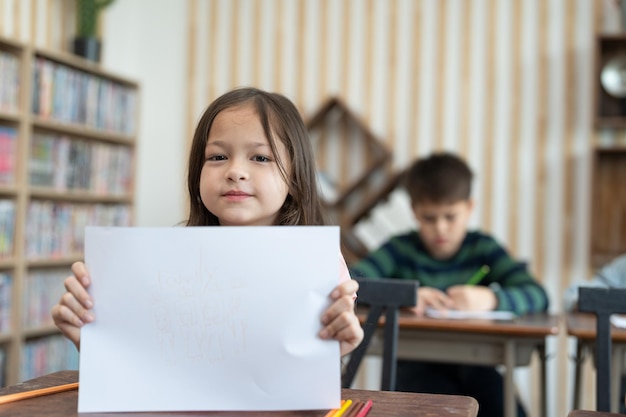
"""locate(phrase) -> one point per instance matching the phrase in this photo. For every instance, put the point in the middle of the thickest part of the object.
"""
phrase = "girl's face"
(240, 182)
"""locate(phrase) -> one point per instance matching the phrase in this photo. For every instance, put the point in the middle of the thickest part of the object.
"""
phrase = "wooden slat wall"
(44, 23)
(505, 83)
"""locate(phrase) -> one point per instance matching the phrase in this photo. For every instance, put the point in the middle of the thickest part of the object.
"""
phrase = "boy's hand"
(340, 321)
(74, 308)
(428, 297)
(473, 298)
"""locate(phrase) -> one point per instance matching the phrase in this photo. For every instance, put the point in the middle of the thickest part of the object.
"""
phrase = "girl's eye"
(216, 158)
(261, 158)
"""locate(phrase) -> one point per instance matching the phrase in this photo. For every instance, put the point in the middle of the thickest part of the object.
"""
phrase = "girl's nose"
(237, 171)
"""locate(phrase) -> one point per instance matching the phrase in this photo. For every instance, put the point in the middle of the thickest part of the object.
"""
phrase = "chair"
(381, 295)
(602, 302)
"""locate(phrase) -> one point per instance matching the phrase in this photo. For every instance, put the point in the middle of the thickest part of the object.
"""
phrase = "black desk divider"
(602, 302)
(382, 295)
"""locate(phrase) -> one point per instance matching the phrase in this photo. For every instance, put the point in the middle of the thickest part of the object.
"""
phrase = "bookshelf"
(67, 156)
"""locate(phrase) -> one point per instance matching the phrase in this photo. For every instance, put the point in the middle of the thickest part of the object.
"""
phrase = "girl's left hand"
(340, 321)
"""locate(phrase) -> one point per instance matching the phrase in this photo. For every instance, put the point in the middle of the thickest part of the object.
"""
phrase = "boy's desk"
(582, 326)
(385, 404)
(478, 342)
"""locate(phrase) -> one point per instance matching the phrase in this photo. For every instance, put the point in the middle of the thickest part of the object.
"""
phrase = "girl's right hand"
(74, 308)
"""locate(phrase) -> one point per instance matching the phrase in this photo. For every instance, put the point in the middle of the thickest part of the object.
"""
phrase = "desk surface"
(386, 404)
(583, 326)
(531, 325)
(588, 413)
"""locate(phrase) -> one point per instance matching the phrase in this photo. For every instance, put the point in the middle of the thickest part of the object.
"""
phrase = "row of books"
(48, 354)
(56, 230)
(42, 289)
(66, 164)
(9, 82)
(6, 289)
(7, 227)
(69, 95)
(8, 154)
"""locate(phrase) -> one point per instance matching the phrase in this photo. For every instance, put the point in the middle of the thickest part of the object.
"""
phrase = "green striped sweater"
(405, 257)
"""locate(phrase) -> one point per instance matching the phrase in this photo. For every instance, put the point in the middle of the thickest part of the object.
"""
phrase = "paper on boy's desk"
(209, 318)
(618, 320)
(465, 314)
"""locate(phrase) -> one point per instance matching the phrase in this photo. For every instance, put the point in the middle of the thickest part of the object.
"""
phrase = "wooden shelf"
(73, 161)
(609, 111)
(608, 208)
(337, 130)
(40, 123)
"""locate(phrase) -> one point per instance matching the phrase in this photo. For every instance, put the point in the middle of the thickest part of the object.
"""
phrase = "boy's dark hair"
(281, 121)
(440, 178)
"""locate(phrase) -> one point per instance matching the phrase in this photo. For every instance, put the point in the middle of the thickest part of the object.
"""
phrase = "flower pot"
(88, 48)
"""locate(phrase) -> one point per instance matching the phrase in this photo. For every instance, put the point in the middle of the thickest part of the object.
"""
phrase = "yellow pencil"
(343, 408)
(332, 412)
(37, 392)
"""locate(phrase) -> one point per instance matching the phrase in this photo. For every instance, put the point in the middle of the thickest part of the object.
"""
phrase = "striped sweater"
(405, 257)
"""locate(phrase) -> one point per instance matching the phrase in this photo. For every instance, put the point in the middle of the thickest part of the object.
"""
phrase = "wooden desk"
(582, 326)
(386, 404)
(479, 342)
(588, 413)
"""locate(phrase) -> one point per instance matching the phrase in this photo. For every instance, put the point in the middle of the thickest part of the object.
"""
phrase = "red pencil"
(365, 409)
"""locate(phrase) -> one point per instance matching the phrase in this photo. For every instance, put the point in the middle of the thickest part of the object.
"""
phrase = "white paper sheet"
(618, 320)
(209, 318)
(464, 314)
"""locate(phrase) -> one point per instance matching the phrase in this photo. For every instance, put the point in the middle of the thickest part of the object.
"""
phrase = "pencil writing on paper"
(365, 409)
(37, 393)
(342, 409)
(478, 275)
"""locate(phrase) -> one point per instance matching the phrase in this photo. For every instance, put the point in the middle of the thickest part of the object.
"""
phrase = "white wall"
(146, 41)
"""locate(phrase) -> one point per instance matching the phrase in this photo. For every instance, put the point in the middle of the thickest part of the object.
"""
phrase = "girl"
(250, 163)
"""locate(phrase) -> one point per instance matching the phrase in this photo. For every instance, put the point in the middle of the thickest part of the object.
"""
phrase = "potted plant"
(86, 42)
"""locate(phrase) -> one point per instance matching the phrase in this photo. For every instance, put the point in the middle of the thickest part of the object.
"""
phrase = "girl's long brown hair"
(280, 120)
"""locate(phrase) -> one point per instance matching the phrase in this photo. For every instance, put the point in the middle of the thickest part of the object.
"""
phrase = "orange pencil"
(37, 393)
(343, 409)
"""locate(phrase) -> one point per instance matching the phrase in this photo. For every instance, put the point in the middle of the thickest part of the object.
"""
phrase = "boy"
(442, 255)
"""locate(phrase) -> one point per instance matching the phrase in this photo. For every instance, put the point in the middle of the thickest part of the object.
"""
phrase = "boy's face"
(443, 226)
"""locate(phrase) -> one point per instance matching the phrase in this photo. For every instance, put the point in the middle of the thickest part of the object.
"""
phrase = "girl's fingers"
(345, 288)
(73, 311)
(80, 272)
(78, 291)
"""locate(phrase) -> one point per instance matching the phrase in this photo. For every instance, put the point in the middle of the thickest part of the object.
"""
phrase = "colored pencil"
(343, 409)
(37, 393)
(479, 275)
(334, 410)
(354, 409)
(365, 409)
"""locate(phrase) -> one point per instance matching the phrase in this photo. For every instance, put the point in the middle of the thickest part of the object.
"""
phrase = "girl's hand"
(428, 297)
(340, 321)
(473, 298)
(74, 308)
